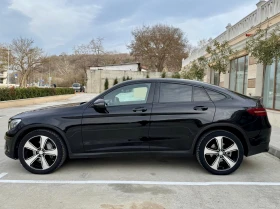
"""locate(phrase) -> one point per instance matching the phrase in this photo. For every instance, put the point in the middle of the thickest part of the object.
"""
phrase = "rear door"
(178, 113)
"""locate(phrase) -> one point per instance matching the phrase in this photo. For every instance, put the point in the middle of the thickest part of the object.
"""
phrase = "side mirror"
(99, 106)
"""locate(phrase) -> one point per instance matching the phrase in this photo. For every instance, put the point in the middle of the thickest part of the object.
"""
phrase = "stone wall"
(96, 78)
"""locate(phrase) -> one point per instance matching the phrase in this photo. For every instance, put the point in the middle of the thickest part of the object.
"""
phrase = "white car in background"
(76, 87)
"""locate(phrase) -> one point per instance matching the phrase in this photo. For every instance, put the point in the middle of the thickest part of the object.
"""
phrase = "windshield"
(76, 85)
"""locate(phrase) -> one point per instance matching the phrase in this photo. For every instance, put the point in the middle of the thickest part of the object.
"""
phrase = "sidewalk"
(274, 146)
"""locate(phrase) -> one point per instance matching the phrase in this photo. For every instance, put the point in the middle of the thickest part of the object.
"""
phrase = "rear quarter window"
(215, 96)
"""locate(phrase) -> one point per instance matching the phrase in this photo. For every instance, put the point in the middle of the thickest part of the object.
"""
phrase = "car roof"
(183, 81)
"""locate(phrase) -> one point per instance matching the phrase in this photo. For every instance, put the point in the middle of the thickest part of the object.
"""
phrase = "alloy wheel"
(221, 153)
(40, 152)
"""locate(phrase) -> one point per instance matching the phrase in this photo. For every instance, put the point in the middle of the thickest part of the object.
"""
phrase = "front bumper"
(10, 146)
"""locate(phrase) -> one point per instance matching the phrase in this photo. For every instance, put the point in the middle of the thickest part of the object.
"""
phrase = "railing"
(264, 10)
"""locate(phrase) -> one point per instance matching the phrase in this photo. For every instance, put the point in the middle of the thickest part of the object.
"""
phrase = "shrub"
(147, 76)
(24, 93)
(116, 81)
(106, 84)
(163, 75)
(123, 78)
(176, 75)
(127, 78)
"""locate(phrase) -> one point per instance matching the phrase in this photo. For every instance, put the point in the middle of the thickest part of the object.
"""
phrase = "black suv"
(155, 116)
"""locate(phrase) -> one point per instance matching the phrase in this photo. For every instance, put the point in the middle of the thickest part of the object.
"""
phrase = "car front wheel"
(220, 152)
(41, 152)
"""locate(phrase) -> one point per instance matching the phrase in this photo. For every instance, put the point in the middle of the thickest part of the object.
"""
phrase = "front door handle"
(139, 109)
(203, 108)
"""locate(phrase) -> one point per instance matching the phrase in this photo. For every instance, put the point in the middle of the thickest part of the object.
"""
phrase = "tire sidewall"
(55, 138)
(210, 135)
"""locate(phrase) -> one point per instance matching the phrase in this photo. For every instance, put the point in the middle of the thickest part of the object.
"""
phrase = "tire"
(223, 159)
(41, 151)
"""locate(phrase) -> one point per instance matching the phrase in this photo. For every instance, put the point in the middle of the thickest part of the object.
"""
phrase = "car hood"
(50, 110)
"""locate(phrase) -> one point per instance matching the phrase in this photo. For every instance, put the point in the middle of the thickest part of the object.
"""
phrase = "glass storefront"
(271, 89)
(239, 75)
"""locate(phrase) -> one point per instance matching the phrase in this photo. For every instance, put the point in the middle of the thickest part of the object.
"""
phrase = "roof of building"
(131, 63)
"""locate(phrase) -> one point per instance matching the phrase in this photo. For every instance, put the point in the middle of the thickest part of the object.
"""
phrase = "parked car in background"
(149, 116)
(76, 87)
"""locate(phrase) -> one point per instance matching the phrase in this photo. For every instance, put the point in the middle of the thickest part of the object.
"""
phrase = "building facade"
(244, 74)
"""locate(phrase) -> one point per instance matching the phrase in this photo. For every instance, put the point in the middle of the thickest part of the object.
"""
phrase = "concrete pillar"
(259, 80)
(259, 10)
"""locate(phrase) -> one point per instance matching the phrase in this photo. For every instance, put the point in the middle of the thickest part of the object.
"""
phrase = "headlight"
(13, 123)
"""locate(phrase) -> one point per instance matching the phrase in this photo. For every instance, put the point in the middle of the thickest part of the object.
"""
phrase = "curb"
(274, 151)
(32, 101)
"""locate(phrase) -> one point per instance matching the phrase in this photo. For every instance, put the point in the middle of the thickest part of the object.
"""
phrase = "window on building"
(271, 90)
(175, 93)
(214, 77)
(239, 75)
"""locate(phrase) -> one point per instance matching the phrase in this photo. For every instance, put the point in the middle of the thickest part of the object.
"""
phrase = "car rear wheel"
(220, 152)
(41, 152)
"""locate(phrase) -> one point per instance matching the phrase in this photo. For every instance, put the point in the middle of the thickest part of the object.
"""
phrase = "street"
(136, 182)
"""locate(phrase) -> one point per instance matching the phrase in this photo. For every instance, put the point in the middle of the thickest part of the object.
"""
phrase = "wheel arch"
(28, 129)
(226, 127)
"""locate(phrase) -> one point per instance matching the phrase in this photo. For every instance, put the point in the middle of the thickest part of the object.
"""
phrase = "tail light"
(257, 111)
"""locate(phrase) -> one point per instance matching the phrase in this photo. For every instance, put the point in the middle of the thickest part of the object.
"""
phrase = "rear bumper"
(260, 143)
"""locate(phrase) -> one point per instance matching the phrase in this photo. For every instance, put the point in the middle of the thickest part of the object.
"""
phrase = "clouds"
(58, 25)
(55, 22)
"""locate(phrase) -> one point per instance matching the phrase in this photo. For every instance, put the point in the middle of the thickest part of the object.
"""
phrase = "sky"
(59, 25)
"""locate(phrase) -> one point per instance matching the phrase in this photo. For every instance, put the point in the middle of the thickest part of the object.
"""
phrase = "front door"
(178, 114)
(125, 126)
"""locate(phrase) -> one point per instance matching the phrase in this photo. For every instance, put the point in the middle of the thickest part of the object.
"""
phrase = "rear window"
(175, 93)
(200, 95)
(215, 96)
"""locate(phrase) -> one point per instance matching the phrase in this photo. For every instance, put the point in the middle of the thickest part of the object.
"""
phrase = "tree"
(196, 70)
(106, 84)
(159, 46)
(123, 78)
(116, 81)
(88, 54)
(27, 58)
(127, 78)
(265, 47)
(219, 56)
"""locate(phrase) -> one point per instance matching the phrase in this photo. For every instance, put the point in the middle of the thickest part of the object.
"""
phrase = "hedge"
(24, 93)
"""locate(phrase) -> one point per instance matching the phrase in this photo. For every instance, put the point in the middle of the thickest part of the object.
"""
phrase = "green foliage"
(106, 84)
(176, 75)
(264, 46)
(32, 92)
(116, 81)
(123, 78)
(127, 78)
(196, 69)
(219, 56)
(147, 76)
(163, 75)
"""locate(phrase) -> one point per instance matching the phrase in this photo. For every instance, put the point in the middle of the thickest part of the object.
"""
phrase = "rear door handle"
(139, 109)
(203, 108)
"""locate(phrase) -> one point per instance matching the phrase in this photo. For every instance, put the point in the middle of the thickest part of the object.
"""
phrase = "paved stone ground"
(20, 189)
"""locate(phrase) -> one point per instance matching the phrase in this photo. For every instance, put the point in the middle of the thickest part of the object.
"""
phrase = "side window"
(215, 96)
(127, 95)
(175, 93)
(200, 95)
